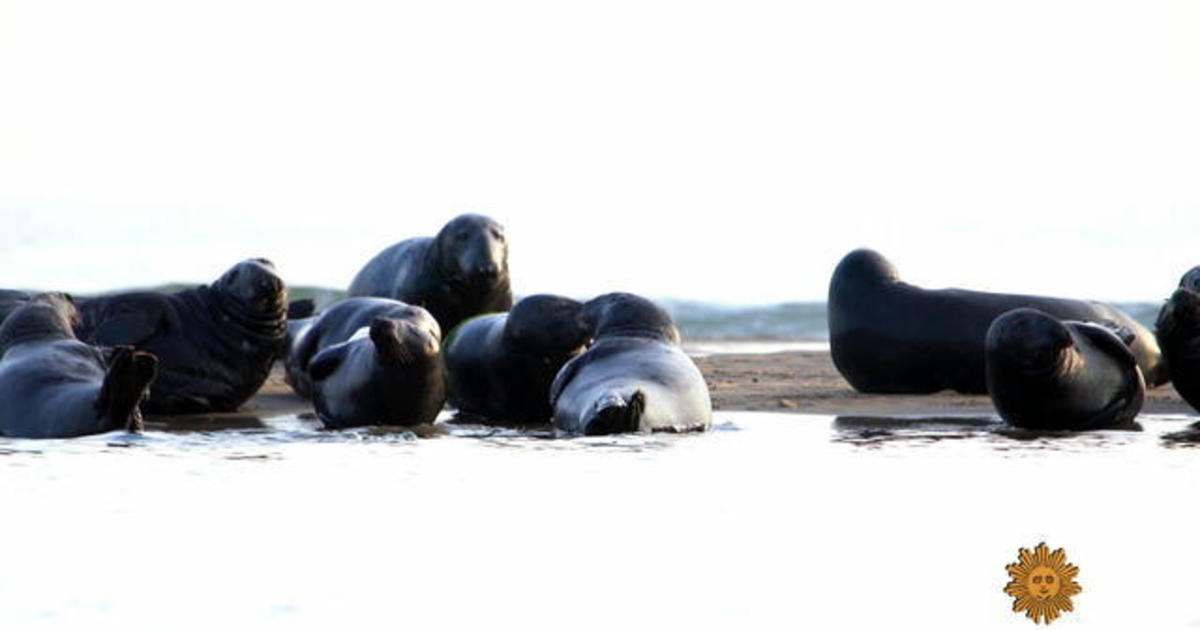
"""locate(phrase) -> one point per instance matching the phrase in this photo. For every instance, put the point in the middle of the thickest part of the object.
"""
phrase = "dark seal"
(368, 361)
(634, 377)
(499, 367)
(10, 300)
(55, 386)
(1046, 374)
(460, 273)
(1178, 332)
(889, 337)
(215, 344)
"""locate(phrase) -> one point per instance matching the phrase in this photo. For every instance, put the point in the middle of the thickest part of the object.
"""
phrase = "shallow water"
(768, 521)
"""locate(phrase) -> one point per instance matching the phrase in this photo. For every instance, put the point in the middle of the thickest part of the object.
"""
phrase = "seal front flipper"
(1120, 413)
(1108, 339)
(301, 309)
(326, 362)
(125, 385)
(127, 326)
(565, 375)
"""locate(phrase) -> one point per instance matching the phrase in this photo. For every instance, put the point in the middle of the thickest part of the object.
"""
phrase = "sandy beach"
(807, 382)
(782, 382)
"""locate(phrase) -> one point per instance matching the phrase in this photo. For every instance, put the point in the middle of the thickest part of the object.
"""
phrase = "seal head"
(628, 315)
(547, 325)
(1028, 340)
(472, 251)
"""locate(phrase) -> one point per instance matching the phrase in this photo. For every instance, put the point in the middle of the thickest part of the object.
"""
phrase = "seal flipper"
(617, 415)
(128, 327)
(568, 371)
(1113, 341)
(125, 385)
(326, 362)
(301, 309)
(1120, 413)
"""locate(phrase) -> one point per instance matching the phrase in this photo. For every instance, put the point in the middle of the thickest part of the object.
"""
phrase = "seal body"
(1178, 332)
(215, 344)
(1051, 375)
(499, 367)
(887, 336)
(10, 300)
(634, 377)
(460, 273)
(369, 361)
(52, 385)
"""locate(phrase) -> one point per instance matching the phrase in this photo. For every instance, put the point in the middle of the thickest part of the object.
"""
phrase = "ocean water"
(768, 521)
(717, 322)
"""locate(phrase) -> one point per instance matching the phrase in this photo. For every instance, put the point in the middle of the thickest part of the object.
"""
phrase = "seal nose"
(487, 271)
(269, 285)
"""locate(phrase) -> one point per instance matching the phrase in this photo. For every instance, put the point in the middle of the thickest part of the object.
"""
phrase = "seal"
(215, 344)
(460, 273)
(1046, 374)
(368, 361)
(55, 386)
(1178, 333)
(890, 337)
(634, 377)
(10, 300)
(499, 367)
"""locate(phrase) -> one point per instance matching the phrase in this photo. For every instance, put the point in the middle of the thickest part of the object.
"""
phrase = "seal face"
(887, 336)
(499, 367)
(1050, 375)
(215, 344)
(368, 361)
(54, 385)
(1178, 332)
(633, 378)
(460, 273)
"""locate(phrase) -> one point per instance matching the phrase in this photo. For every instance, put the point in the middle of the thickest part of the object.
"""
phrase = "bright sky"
(726, 151)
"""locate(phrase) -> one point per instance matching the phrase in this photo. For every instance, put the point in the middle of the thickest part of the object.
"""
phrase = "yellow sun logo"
(1042, 584)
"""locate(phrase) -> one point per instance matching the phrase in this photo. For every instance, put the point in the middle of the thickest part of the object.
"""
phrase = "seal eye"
(496, 234)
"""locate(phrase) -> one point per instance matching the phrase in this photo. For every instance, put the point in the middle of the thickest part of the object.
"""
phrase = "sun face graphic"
(1042, 583)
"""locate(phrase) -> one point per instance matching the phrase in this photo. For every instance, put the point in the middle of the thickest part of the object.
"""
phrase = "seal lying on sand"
(367, 361)
(499, 367)
(1178, 332)
(53, 385)
(215, 344)
(460, 273)
(1052, 375)
(633, 378)
(890, 337)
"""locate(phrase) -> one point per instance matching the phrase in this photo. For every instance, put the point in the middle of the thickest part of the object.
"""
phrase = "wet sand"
(807, 382)
(784, 382)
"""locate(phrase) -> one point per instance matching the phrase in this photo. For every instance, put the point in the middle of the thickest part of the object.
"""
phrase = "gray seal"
(499, 367)
(634, 377)
(1178, 332)
(368, 361)
(54, 386)
(460, 273)
(890, 337)
(1046, 374)
(215, 344)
